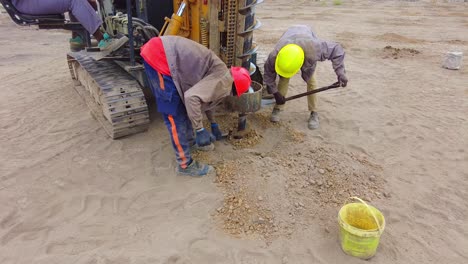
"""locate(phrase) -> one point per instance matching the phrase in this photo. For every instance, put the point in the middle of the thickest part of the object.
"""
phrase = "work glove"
(342, 80)
(215, 131)
(204, 138)
(279, 98)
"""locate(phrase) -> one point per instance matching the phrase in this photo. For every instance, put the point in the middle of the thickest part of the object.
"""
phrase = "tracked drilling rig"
(115, 87)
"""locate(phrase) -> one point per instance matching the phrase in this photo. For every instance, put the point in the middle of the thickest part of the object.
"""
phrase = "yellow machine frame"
(199, 20)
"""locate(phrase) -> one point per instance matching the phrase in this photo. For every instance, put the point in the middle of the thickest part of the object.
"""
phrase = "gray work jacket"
(202, 78)
(314, 48)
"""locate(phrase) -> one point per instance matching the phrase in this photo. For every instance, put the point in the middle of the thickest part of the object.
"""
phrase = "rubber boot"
(313, 122)
(111, 44)
(275, 115)
(76, 44)
(195, 169)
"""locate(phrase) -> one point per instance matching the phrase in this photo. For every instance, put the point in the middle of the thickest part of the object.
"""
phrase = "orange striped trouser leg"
(176, 125)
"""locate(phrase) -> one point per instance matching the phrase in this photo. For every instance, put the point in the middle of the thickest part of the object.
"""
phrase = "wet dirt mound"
(398, 53)
(392, 37)
(273, 192)
(241, 213)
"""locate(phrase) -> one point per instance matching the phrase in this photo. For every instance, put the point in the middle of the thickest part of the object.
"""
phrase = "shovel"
(272, 101)
(335, 85)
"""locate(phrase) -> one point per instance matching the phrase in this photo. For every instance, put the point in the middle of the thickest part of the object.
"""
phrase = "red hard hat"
(241, 79)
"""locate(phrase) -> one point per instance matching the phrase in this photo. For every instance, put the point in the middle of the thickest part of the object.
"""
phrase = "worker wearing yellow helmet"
(300, 49)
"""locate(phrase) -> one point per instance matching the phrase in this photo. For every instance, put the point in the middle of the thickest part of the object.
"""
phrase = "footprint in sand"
(72, 247)
(163, 163)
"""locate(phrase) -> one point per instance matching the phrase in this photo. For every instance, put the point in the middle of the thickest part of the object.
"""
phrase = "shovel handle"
(335, 85)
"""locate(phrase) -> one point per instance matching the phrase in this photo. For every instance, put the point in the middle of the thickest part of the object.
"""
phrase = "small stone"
(301, 204)
(246, 206)
(261, 220)
(319, 183)
(220, 209)
(260, 198)
(59, 183)
(134, 230)
(327, 230)
(231, 207)
(387, 195)
(285, 260)
(296, 204)
(372, 178)
(321, 171)
(312, 182)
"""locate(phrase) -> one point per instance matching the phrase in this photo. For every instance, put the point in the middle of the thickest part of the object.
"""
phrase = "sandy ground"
(397, 137)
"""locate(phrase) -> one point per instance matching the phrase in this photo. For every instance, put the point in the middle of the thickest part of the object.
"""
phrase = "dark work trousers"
(175, 115)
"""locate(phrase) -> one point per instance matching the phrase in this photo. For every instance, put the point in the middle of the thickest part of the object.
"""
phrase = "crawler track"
(114, 97)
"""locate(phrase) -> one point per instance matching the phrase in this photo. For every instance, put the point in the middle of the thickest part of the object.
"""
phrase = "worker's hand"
(216, 132)
(204, 138)
(279, 98)
(342, 80)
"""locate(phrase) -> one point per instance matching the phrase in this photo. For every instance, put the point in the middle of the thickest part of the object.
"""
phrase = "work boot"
(111, 44)
(313, 122)
(195, 169)
(76, 44)
(275, 115)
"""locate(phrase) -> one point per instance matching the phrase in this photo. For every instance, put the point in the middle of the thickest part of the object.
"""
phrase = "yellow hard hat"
(289, 60)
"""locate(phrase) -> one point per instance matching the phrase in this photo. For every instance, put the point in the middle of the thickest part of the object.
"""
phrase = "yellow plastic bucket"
(361, 226)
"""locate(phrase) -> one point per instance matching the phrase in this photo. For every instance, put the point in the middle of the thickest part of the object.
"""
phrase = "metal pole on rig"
(130, 32)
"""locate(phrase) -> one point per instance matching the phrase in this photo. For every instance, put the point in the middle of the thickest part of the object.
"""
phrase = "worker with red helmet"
(187, 80)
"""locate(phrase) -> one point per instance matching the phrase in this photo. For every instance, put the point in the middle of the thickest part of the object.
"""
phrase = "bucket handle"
(372, 212)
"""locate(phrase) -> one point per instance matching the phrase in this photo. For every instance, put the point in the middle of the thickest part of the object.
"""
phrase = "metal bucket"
(246, 103)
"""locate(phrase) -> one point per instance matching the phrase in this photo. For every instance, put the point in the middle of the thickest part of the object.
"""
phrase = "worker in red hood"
(187, 80)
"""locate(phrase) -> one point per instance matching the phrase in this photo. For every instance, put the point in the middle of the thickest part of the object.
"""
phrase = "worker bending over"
(187, 80)
(299, 48)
